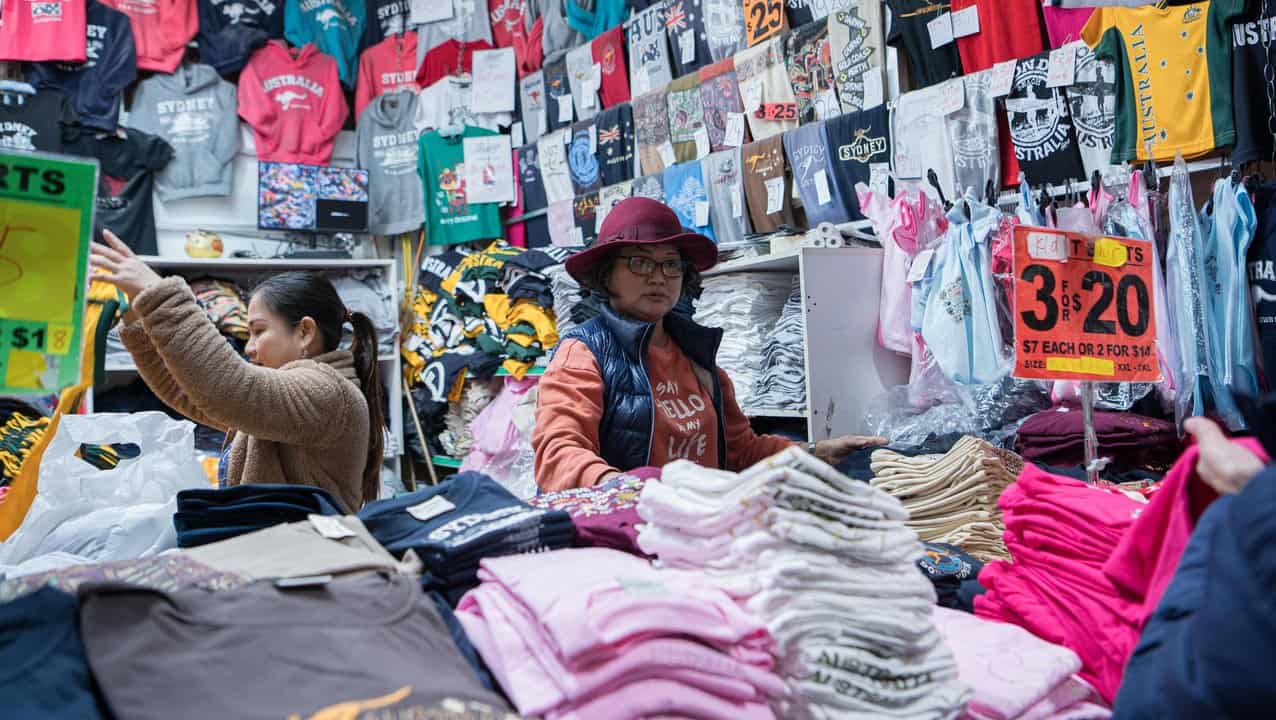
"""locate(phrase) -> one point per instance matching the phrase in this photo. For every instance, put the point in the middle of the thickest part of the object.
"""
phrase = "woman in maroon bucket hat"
(639, 385)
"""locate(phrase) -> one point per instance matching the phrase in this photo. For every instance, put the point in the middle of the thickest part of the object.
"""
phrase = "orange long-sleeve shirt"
(569, 411)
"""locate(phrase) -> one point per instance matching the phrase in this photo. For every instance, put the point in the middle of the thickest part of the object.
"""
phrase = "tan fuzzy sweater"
(303, 424)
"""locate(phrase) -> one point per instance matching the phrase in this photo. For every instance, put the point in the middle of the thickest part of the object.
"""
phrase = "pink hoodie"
(294, 102)
(161, 30)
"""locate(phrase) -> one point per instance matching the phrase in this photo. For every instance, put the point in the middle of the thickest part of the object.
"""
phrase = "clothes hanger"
(990, 193)
(933, 178)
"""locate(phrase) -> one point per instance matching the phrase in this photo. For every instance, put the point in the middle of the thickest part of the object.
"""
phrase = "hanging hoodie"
(161, 30)
(42, 31)
(230, 31)
(385, 18)
(194, 111)
(94, 88)
(388, 66)
(126, 178)
(292, 99)
(386, 146)
(334, 26)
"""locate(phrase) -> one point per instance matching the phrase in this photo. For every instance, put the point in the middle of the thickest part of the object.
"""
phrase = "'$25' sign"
(1083, 307)
(762, 19)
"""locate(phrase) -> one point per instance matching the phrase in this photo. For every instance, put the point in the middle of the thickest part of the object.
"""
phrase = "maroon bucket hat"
(642, 221)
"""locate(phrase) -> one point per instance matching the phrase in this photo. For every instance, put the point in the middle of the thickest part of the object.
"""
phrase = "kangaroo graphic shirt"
(1041, 126)
(335, 26)
(292, 98)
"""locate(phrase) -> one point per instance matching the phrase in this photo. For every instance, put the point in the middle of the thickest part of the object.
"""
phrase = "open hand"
(1222, 464)
(123, 268)
(835, 450)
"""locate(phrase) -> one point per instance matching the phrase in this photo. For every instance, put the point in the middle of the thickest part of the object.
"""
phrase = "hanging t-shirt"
(649, 186)
(561, 219)
(1169, 56)
(1063, 24)
(558, 91)
(43, 31)
(529, 178)
(616, 144)
(95, 88)
(584, 216)
(1262, 279)
(553, 162)
(450, 218)
(508, 20)
(385, 18)
(389, 66)
(449, 102)
(34, 122)
(686, 116)
(1254, 85)
(1092, 102)
(767, 186)
(723, 28)
(855, 47)
(803, 12)
(685, 192)
(910, 34)
(451, 57)
(810, 65)
(720, 97)
(919, 138)
(765, 91)
(684, 24)
(648, 50)
(1008, 30)
(972, 132)
(126, 179)
(532, 105)
(651, 119)
(725, 182)
(582, 158)
(1041, 126)
(857, 142)
(581, 81)
(808, 155)
(608, 51)
(468, 23)
(334, 26)
(610, 196)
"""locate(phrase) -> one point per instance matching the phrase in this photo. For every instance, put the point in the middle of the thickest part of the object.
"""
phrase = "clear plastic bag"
(992, 411)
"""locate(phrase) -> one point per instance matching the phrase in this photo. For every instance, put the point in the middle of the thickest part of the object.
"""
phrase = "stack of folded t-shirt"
(596, 633)
(952, 498)
(1056, 437)
(460, 521)
(828, 564)
(573, 305)
(457, 440)
(745, 306)
(605, 515)
(208, 515)
(783, 381)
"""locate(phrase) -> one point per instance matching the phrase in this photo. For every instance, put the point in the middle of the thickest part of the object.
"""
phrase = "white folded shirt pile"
(783, 382)
(746, 306)
(827, 563)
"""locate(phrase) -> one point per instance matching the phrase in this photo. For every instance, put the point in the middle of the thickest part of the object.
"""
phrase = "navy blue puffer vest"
(620, 346)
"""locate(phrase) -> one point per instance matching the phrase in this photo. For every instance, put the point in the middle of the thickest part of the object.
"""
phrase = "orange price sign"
(1083, 307)
(763, 19)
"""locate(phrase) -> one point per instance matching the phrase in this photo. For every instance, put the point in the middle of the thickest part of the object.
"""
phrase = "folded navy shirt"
(209, 515)
(44, 672)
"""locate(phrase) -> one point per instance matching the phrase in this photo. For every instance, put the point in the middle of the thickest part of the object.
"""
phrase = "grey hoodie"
(386, 146)
(194, 109)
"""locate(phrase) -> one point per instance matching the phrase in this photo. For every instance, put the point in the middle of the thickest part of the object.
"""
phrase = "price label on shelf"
(46, 226)
(1083, 307)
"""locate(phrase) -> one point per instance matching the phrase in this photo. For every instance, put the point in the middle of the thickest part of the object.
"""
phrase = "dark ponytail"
(297, 295)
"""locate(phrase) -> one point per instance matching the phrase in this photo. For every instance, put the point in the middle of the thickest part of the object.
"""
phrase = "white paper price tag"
(822, 194)
(587, 93)
(737, 204)
(941, 30)
(433, 507)
(735, 130)
(578, 236)
(702, 142)
(593, 139)
(1063, 66)
(421, 12)
(564, 108)
(917, 271)
(598, 75)
(567, 137)
(751, 95)
(966, 21)
(516, 134)
(774, 195)
(954, 96)
(1003, 78)
(874, 89)
(878, 175)
(667, 155)
(330, 527)
(702, 213)
(1048, 246)
(687, 42)
(642, 81)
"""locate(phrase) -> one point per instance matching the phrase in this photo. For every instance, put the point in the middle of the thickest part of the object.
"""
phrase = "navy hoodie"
(95, 88)
(230, 30)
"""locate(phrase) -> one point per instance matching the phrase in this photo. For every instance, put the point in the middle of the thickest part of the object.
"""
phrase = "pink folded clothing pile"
(1014, 674)
(589, 633)
(829, 565)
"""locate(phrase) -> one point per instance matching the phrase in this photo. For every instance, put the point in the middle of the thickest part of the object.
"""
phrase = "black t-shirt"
(682, 17)
(582, 158)
(529, 178)
(1041, 126)
(1253, 50)
(909, 33)
(856, 142)
(616, 144)
(125, 181)
(1262, 279)
(557, 90)
(34, 122)
(385, 18)
(537, 232)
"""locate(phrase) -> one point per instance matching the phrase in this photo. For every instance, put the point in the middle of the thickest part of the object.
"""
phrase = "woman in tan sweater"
(299, 411)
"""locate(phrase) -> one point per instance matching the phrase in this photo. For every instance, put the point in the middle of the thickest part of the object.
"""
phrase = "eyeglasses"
(645, 266)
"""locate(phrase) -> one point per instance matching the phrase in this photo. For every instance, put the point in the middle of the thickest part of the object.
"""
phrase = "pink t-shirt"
(1063, 25)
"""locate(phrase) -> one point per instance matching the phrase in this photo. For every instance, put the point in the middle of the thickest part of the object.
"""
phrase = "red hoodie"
(161, 30)
(452, 57)
(294, 102)
(43, 31)
(388, 66)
